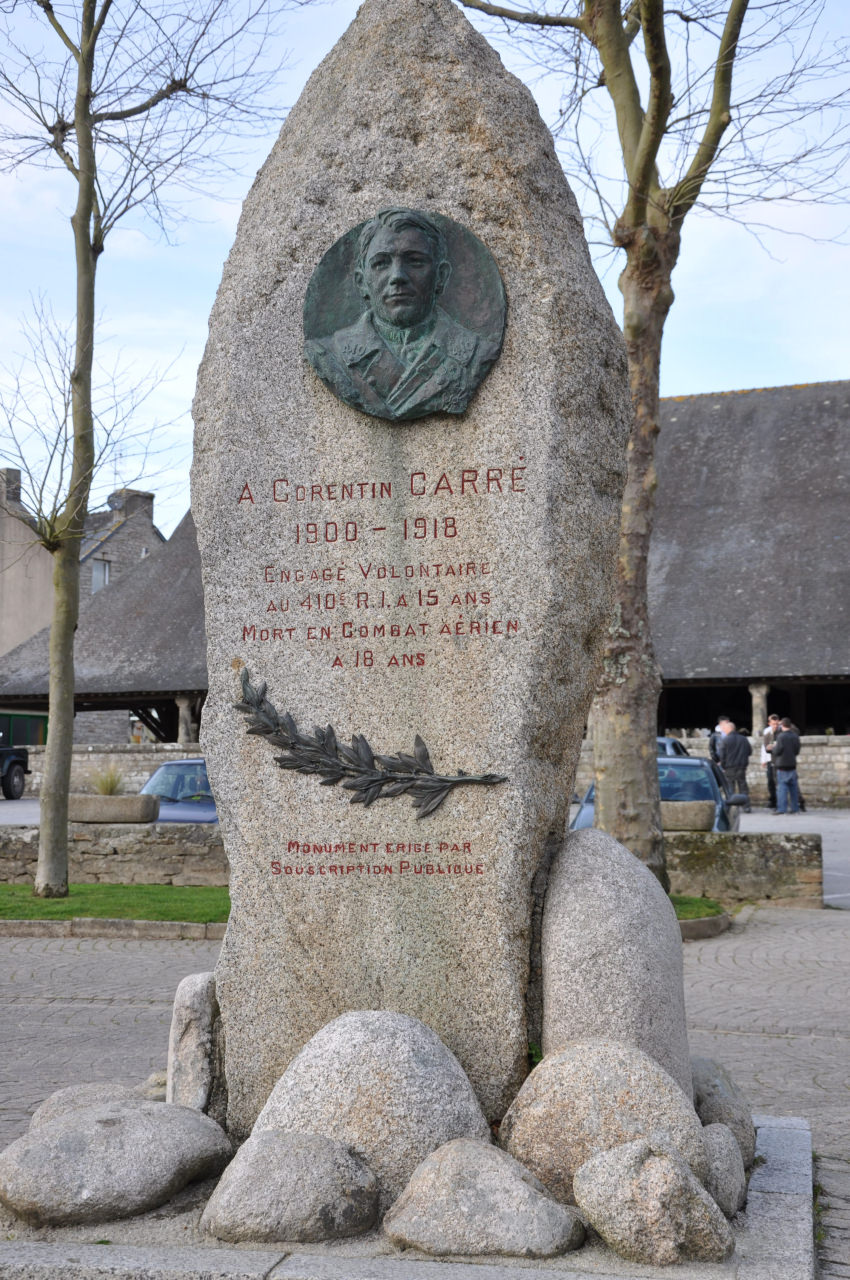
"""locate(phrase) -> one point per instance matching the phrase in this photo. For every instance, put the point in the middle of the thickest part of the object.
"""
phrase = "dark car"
(14, 764)
(184, 792)
(683, 778)
(671, 747)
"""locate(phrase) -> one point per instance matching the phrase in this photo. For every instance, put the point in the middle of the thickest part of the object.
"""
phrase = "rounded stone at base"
(726, 1182)
(109, 1161)
(471, 1199)
(648, 1207)
(719, 1100)
(383, 1084)
(292, 1186)
(594, 1095)
(612, 955)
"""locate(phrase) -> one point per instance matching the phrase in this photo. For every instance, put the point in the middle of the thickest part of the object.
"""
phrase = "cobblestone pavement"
(768, 999)
(74, 1010)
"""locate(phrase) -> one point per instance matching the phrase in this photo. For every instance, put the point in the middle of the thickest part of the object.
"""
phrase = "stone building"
(140, 649)
(116, 540)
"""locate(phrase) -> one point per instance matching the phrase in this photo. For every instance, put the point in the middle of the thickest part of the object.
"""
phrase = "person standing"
(734, 751)
(784, 754)
(768, 738)
(715, 738)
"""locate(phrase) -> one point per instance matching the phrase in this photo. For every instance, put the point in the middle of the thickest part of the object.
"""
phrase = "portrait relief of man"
(405, 356)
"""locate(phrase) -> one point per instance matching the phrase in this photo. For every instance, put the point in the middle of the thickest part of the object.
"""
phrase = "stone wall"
(730, 868)
(136, 762)
(733, 868)
(824, 770)
(94, 727)
(125, 853)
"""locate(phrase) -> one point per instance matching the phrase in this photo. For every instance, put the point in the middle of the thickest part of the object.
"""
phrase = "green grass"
(199, 904)
(195, 903)
(695, 908)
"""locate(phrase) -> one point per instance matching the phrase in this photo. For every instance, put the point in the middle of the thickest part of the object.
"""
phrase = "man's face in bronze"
(400, 278)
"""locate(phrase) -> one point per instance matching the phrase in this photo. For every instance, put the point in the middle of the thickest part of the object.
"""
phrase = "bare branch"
(142, 108)
(612, 44)
(719, 118)
(643, 177)
(529, 18)
(47, 9)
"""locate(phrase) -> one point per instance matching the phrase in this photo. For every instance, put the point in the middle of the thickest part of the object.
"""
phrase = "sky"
(749, 312)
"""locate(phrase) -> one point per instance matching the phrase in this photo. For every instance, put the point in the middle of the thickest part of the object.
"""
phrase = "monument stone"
(411, 423)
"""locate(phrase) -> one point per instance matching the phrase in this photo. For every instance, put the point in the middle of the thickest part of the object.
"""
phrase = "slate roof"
(140, 639)
(749, 572)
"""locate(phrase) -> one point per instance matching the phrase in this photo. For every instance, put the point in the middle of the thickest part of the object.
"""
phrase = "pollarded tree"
(718, 104)
(132, 100)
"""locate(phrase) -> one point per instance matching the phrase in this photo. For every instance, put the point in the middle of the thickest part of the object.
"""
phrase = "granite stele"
(411, 421)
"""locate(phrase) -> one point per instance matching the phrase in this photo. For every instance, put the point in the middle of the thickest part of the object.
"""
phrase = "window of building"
(99, 574)
(22, 730)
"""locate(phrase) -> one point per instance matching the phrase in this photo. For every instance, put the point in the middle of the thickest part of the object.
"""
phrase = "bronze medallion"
(404, 315)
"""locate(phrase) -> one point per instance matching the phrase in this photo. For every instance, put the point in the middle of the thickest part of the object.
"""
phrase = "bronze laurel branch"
(370, 776)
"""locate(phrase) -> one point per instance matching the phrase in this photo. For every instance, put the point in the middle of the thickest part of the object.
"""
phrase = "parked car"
(14, 764)
(671, 747)
(683, 778)
(184, 791)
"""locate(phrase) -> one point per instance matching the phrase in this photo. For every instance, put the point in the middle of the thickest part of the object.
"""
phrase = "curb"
(94, 927)
(704, 927)
(184, 930)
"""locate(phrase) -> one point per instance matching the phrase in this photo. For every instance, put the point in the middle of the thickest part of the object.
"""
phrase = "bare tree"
(133, 100)
(37, 429)
(688, 134)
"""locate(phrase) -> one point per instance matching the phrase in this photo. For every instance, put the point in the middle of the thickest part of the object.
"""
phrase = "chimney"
(11, 484)
(131, 501)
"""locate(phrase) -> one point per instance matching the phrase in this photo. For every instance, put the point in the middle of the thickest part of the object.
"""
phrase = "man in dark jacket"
(734, 751)
(784, 754)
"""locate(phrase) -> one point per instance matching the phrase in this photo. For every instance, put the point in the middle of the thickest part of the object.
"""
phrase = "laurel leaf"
(429, 805)
(421, 753)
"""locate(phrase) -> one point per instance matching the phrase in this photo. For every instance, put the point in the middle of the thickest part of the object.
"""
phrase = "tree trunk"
(51, 878)
(625, 722)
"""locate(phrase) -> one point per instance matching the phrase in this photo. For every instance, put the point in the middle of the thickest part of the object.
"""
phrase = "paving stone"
(90, 1262)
